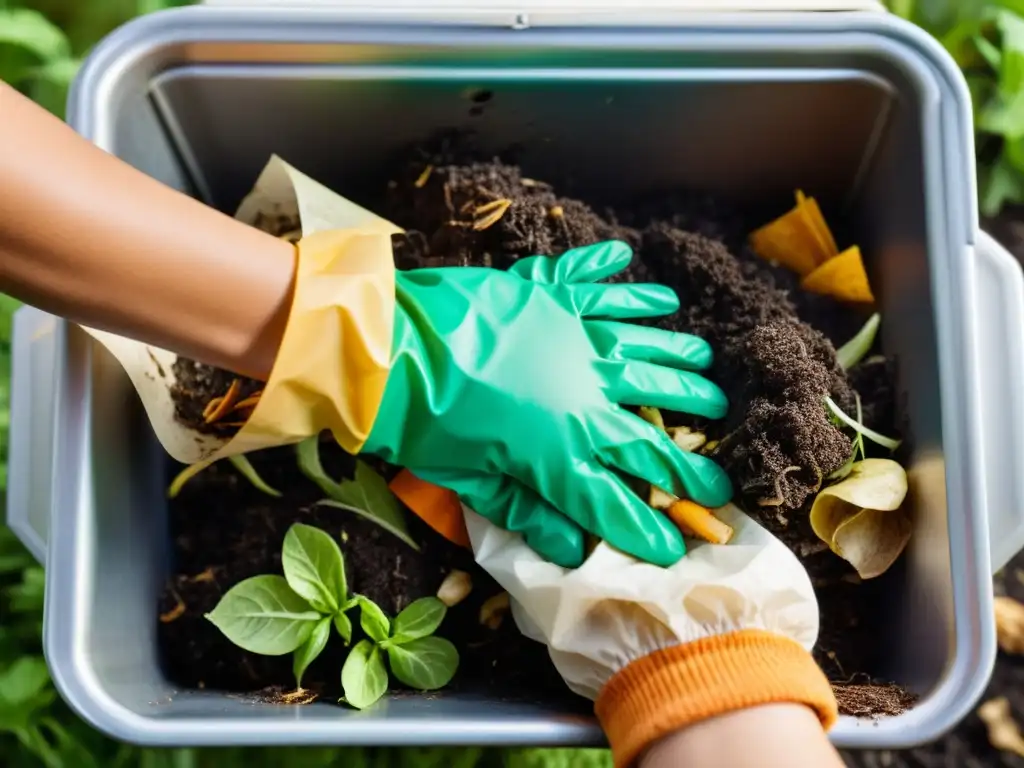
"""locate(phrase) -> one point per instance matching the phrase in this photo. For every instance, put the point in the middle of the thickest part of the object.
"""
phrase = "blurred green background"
(42, 43)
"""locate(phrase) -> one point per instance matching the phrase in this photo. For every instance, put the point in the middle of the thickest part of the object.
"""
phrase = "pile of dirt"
(777, 442)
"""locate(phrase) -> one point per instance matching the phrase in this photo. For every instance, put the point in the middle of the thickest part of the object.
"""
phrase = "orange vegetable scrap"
(799, 240)
(437, 507)
(843, 278)
(802, 241)
(695, 520)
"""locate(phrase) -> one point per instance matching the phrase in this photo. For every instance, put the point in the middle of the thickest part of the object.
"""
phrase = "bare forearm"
(773, 736)
(88, 237)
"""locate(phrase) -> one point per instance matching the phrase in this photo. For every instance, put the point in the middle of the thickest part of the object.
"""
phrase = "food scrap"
(801, 240)
(1003, 732)
(861, 517)
(1009, 625)
(455, 588)
(493, 611)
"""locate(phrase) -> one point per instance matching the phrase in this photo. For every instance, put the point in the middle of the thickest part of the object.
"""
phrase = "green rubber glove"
(506, 387)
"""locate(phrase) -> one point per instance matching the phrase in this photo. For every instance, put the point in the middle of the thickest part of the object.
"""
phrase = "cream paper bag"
(614, 609)
(280, 192)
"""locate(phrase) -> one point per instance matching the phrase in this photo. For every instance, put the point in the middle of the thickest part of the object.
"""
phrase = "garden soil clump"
(777, 442)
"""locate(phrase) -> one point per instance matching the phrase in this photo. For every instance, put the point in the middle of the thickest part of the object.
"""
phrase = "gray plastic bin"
(861, 109)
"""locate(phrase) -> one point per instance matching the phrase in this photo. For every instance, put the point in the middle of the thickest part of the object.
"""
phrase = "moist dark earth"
(774, 356)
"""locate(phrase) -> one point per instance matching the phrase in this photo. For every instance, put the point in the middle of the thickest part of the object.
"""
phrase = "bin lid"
(563, 6)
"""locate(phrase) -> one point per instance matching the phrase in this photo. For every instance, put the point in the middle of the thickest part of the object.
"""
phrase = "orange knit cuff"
(670, 689)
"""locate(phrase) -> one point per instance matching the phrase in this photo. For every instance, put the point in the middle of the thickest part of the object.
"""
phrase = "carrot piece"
(224, 406)
(843, 278)
(437, 507)
(695, 520)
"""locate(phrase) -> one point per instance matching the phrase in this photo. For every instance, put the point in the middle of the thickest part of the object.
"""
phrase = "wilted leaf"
(842, 277)
(799, 239)
(861, 517)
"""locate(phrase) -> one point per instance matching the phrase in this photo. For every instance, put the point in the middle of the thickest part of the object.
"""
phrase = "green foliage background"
(42, 43)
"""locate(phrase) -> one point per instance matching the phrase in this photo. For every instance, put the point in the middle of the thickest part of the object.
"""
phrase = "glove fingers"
(623, 301)
(636, 382)
(588, 264)
(601, 503)
(622, 341)
(646, 452)
(513, 506)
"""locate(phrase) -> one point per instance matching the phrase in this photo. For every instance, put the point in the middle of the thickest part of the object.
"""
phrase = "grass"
(42, 43)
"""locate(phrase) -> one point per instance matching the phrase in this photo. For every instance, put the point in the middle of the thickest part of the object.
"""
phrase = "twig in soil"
(206, 577)
(494, 210)
(176, 612)
(423, 177)
(250, 402)
(219, 407)
(448, 198)
(835, 660)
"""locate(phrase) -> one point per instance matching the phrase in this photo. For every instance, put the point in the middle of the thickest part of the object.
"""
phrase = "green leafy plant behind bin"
(986, 39)
(276, 615)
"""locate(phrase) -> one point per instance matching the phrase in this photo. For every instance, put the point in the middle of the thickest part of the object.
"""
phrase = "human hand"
(507, 387)
(727, 628)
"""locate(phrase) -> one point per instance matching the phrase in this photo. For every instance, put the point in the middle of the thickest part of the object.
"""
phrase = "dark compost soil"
(777, 442)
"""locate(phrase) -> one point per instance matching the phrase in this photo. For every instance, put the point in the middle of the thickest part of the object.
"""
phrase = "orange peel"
(843, 278)
(799, 239)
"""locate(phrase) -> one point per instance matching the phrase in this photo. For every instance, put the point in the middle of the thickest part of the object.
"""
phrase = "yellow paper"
(330, 269)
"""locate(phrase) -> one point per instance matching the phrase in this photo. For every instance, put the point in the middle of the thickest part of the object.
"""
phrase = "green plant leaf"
(853, 351)
(23, 680)
(886, 442)
(264, 615)
(1011, 60)
(1000, 184)
(314, 567)
(343, 624)
(185, 475)
(28, 40)
(373, 620)
(306, 653)
(419, 619)
(364, 678)
(426, 664)
(367, 495)
(248, 471)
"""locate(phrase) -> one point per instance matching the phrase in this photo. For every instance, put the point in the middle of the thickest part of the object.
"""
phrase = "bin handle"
(999, 286)
(30, 457)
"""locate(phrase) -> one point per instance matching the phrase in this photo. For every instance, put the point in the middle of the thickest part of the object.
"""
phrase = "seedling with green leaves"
(416, 657)
(275, 615)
